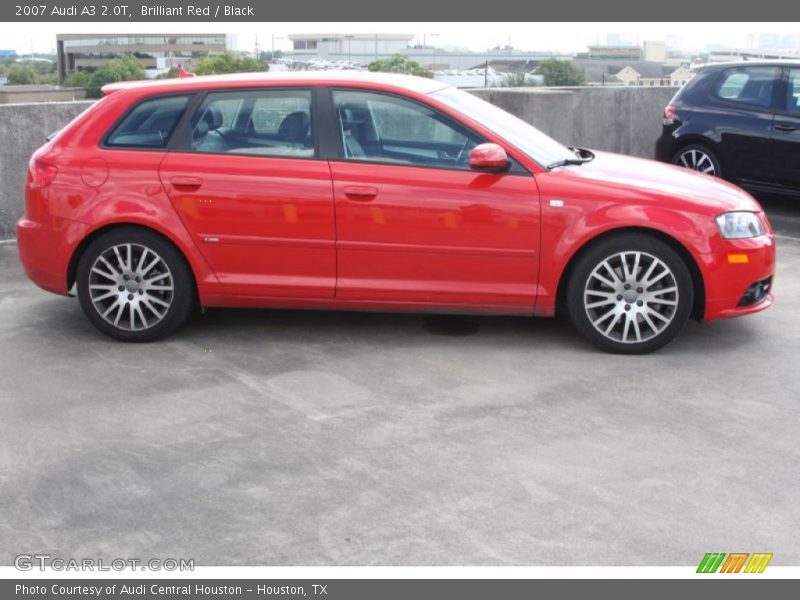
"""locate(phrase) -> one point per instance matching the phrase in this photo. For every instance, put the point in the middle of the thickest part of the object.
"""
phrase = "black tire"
(686, 156)
(147, 311)
(586, 288)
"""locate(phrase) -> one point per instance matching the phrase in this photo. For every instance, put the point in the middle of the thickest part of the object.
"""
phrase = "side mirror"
(488, 157)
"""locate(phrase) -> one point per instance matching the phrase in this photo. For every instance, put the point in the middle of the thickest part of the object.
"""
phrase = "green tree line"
(28, 71)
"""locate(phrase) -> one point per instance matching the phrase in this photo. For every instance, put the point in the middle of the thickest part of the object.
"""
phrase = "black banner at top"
(200, 11)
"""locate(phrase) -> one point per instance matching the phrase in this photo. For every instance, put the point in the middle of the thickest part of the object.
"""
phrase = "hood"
(658, 181)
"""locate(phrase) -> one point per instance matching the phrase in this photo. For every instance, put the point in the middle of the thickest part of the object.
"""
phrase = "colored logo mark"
(734, 562)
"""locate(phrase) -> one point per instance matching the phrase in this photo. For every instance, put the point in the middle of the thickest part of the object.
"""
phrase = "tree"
(399, 64)
(21, 75)
(560, 72)
(124, 68)
(228, 62)
(515, 80)
(6, 64)
(77, 79)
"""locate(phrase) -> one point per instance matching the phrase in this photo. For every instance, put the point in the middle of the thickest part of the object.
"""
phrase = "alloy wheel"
(631, 297)
(697, 160)
(131, 286)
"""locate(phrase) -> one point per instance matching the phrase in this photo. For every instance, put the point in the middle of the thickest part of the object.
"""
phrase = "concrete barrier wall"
(23, 128)
(619, 119)
(625, 120)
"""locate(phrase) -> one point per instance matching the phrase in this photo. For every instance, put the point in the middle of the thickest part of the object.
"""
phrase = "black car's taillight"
(669, 114)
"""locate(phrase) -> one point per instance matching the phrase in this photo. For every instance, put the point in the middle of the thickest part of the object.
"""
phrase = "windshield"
(540, 147)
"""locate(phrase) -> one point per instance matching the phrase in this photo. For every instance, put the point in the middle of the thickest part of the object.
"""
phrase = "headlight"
(739, 225)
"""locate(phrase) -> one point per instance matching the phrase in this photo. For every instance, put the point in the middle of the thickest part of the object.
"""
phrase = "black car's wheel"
(134, 285)
(698, 158)
(630, 294)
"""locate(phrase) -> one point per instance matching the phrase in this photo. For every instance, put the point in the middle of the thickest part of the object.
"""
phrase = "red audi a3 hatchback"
(366, 191)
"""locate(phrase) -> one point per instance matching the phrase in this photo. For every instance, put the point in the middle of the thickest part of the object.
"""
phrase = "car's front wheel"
(630, 294)
(134, 285)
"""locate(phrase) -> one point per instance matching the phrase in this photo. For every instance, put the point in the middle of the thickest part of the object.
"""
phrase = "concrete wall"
(23, 128)
(620, 119)
(18, 94)
(626, 120)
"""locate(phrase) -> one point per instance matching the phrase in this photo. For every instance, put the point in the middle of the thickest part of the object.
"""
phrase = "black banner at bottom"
(394, 589)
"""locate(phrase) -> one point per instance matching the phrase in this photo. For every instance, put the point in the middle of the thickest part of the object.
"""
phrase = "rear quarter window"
(149, 125)
(747, 85)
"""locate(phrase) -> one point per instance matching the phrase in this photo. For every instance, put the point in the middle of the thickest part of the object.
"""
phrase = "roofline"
(758, 62)
(350, 78)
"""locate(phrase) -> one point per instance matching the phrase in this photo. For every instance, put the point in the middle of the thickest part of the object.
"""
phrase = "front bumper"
(732, 272)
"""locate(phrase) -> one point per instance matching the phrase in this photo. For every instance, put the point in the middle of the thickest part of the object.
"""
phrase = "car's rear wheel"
(630, 294)
(134, 285)
(698, 158)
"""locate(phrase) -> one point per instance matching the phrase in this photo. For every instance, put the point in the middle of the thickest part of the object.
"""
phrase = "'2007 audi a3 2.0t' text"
(381, 192)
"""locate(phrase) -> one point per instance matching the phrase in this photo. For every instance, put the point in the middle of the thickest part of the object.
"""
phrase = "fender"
(155, 212)
(566, 237)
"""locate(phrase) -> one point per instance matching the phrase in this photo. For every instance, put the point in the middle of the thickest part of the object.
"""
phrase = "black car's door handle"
(783, 127)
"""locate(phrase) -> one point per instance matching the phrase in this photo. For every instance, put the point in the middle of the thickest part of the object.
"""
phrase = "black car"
(739, 121)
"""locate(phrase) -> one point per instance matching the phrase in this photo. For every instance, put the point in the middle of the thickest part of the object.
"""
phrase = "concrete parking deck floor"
(279, 437)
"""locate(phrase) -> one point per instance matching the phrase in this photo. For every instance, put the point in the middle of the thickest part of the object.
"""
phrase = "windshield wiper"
(582, 156)
(568, 161)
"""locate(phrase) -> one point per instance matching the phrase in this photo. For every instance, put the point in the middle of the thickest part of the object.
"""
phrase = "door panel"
(414, 224)
(786, 135)
(263, 221)
(265, 225)
(742, 113)
(435, 236)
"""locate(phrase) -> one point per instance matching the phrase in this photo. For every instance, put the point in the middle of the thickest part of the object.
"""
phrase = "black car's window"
(748, 85)
(150, 124)
(259, 123)
(377, 127)
(793, 91)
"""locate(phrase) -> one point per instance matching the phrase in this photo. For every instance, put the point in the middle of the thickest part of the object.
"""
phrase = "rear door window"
(748, 85)
(149, 125)
(255, 122)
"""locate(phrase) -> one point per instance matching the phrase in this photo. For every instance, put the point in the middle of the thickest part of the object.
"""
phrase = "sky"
(558, 37)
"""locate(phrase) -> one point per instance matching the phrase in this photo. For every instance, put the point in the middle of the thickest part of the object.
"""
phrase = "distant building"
(628, 75)
(626, 52)
(363, 48)
(654, 51)
(359, 44)
(78, 51)
(680, 76)
(8, 53)
(769, 41)
(617, 39)
(14, 94)
(632, 73)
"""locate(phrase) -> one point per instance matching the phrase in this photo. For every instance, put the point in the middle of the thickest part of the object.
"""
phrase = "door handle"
(784, 127)
(360, 193)
(186, 182)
